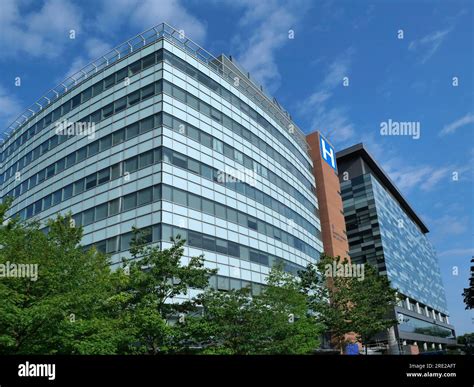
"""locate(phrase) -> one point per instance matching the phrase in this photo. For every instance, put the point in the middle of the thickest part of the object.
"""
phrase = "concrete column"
(425, 346)
(418, 308)
(426, 311)
(408, 303)
(447, 319)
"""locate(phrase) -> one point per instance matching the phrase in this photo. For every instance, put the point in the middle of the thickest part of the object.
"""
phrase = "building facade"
(328, 192)
(384, 231)
(161, 135)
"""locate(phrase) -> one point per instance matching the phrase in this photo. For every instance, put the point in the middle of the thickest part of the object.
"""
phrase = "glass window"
(76, 101)
(47, 201)
(194, 201)
(105, 143)
(206, 171)
(194, 239)
(179, 197)
(193, 166)
(87, 94)
(115, 171)
(96, 116)
(223, 283)
(67, 192)
(114, 207)
(204, 108)
(179, 94)
(50, 171)
(122, 74)
(91, 181)
(111, 245)
(81, 154)
(145, 196)
(148, 61)
(93, 148)
(148, 91)
(221, 246)
(135, 67)
(180, 161)
(67, 107)
(193, 133)
(233, 249)
(60, 165)
(231, 215)
(88, 217)
(216, 115)
(134, 98)
(101, 212)
(167, 88)
(146, 124)
(192, 101)
(131, 165)
(206, 140)
(125, 241)
(109, 81)
(167, 232)
(157, 193)
(120, 104)
(220, 211)
(207, 206)
(118, 137)
(228, 151)
(167, 193)
(108, 111)
(218, 145)
(145, 159)
(132, 130)
(227, 122)
(97, 88)
(79, 187)
(208, 243)
(242, 219)
(104, 175)
(57, 197)
(129, 201)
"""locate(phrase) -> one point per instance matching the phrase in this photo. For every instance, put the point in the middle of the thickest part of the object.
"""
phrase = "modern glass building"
(161, 135)
(384, 230)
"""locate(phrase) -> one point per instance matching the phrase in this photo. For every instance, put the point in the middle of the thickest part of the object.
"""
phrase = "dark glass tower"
(384, 230)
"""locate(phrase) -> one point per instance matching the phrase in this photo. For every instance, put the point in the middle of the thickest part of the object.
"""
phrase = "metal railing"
(152, 35)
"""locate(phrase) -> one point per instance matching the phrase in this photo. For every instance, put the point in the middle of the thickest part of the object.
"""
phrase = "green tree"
(66, 301)
(329, 297)
(347, 305)
(373, 300)
(154, 278)
(274, 322)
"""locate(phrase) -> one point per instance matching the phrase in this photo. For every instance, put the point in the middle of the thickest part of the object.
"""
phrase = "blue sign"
(327, 152)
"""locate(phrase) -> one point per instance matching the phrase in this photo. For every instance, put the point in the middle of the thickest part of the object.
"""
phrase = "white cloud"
(10, 108)
(467, 252)
(141, 15)
(423, 177)
(453, 126)
(330, 120)
(451, 225)
(40, 33)
(93, 49)
(265, 26)
(429, 44)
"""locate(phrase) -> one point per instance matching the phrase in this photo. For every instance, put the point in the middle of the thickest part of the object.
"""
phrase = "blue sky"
(405, 80)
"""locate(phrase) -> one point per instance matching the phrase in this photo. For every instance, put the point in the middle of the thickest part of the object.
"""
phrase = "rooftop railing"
(152, 35)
